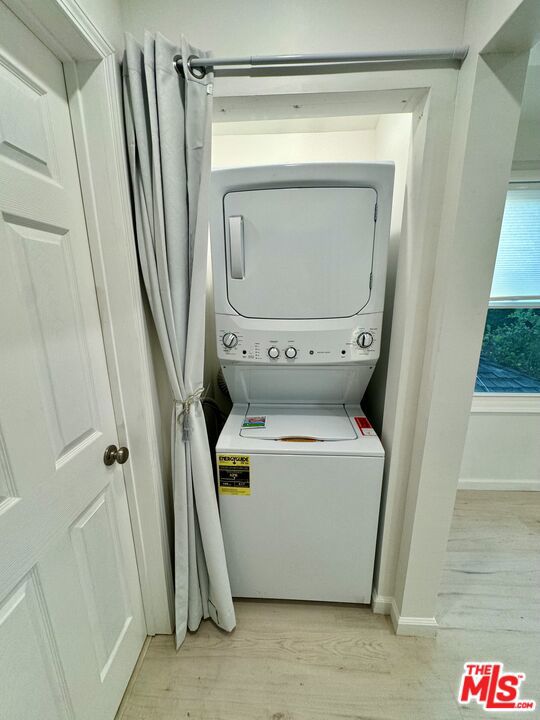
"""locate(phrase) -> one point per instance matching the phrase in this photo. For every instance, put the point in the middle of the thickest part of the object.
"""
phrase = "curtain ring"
(177, 62)
(198, 73)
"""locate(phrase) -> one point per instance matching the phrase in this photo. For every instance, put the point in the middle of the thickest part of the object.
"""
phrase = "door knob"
(113, 454)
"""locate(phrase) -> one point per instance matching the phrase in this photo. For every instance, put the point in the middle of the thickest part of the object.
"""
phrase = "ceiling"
(297, 125)
(309, 112)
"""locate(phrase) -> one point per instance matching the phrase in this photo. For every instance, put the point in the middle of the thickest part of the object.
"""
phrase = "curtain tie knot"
(185, 409)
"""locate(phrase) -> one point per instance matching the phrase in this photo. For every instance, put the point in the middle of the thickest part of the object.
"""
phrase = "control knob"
(365, 340)
(230, 340)
(273, 352)
(291, 353)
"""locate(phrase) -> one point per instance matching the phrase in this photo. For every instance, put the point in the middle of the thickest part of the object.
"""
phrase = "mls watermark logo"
(487, 684)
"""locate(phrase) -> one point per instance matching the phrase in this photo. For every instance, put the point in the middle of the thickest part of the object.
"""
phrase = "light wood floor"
(301, 661)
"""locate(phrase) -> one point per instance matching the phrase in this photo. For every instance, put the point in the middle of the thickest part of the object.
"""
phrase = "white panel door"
(71, 620)
(299, 253)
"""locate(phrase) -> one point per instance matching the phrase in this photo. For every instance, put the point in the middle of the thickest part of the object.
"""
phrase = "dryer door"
(299, 253)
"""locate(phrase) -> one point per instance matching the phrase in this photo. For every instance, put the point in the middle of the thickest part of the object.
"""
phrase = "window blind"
(517, 269)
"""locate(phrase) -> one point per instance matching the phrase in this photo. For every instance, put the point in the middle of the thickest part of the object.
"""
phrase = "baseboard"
(415, 626)
(488, 484)
(381, 604)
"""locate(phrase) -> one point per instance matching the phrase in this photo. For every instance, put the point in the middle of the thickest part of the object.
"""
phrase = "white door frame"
(490, 86)
(432, 94)
(93, 84)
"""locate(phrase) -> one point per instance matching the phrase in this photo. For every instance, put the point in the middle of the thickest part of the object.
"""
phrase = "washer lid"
(298, 423)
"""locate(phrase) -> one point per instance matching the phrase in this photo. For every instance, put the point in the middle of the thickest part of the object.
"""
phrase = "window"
(510, 356)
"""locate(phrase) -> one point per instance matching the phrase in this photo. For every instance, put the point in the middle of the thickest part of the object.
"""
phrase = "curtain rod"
(199, 66)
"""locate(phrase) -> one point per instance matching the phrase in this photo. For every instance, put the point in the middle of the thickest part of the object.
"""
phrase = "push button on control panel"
(364, 340)
(273, 352)
(291, 353)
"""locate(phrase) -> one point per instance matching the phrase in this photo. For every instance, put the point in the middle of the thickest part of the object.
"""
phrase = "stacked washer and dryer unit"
(299, 258)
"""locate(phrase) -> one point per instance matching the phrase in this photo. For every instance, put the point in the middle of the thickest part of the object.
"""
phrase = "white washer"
(300, 516)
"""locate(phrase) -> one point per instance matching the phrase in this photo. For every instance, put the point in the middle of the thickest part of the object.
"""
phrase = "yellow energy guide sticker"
(234, 474)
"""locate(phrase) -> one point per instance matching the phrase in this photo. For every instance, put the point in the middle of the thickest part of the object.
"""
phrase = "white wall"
(106, 15)
(392, 142)
(251, 27)
(295, 147)
(502, 451)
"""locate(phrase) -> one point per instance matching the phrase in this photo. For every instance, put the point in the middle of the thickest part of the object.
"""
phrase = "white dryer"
(299, 266)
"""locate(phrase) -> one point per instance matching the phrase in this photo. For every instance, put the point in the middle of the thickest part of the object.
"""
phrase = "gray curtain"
(168, 123)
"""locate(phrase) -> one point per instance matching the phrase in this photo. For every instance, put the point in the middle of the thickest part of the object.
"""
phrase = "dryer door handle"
(236, 246)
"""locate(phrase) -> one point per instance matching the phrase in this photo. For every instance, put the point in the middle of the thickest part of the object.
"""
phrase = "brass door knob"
(113, 454)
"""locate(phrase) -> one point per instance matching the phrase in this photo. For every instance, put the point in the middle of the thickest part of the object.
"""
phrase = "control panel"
(357, 341)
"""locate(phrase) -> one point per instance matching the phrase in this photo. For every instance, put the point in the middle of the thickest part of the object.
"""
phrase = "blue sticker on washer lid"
(254, 421)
